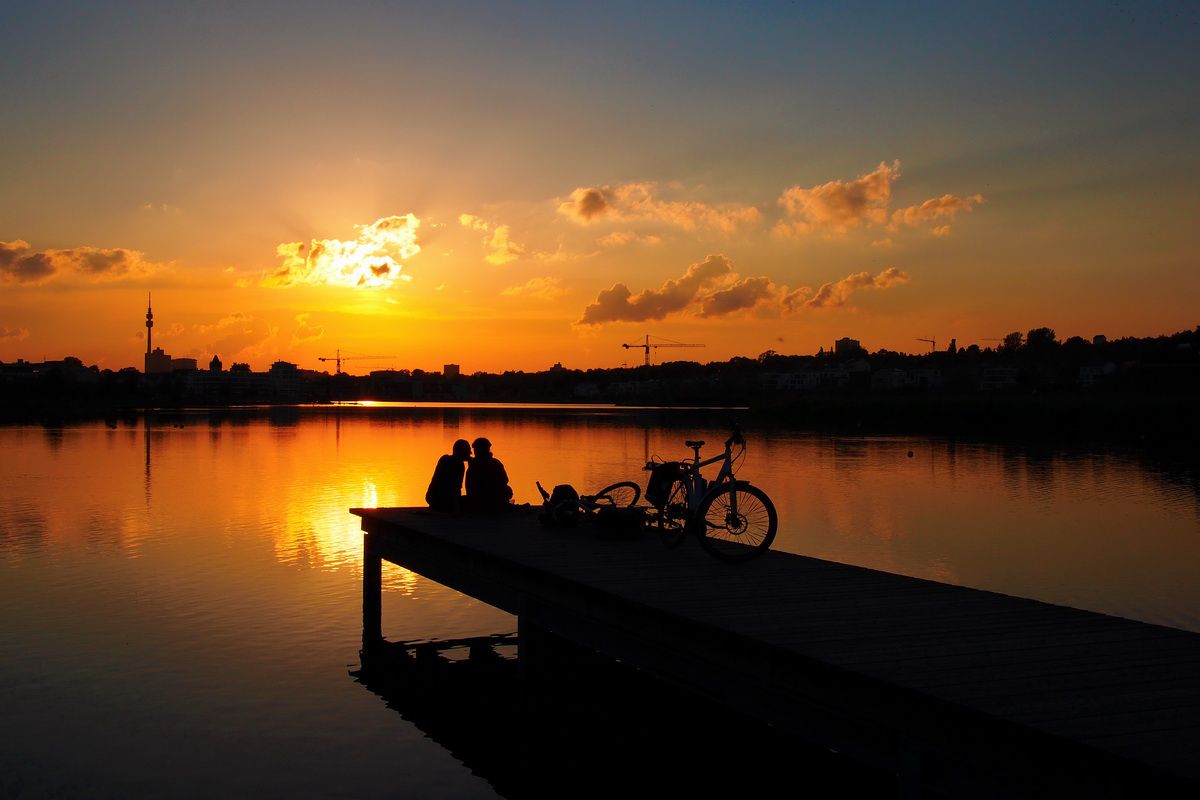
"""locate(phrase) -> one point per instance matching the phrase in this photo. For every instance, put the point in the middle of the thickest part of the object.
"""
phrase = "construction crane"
(646, 345)
(932, 343)
(339, 358)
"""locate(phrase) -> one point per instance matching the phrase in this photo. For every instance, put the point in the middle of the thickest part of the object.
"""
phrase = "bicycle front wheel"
(672, 517)
(738, 522)
(620, 495)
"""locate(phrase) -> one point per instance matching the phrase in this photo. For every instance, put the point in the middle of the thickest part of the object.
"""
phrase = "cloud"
(832, 295)
(238, 336)
(711, 288)
(543, 288)
(585, 205)
(13, 333)
(503, 249)
(838, 206)
(368, 262)
(944, 206)
(746, 293)
(618, 304)
(305, 332)
(622, 238)
(639, 202)
(18, 264)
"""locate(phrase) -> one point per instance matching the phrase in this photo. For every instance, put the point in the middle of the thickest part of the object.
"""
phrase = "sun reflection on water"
(1087, 529)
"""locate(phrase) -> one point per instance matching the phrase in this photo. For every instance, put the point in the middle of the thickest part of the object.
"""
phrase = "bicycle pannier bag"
(562, 509)
(661, 478)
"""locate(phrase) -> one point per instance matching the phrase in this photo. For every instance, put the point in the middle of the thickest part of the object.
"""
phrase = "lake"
(180, 594)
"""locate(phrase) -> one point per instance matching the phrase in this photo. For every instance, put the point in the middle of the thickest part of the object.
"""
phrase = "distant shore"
(1162, 419)
(1171, 420)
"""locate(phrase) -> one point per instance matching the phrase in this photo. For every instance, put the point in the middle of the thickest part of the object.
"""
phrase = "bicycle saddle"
(693, 445)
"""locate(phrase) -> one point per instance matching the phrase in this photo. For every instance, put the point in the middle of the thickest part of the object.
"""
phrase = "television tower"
(149, 323)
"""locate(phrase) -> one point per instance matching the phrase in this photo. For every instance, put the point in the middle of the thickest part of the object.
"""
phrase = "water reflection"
(597, 729)
(1103, 530)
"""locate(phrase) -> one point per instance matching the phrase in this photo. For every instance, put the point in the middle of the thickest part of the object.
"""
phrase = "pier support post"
(531, 649)
(372, 594)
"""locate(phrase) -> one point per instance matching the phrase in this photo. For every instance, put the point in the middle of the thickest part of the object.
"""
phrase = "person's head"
(461, 449)
(482, 447)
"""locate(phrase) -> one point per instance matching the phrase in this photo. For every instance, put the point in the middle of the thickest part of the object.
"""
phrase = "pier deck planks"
(1109, 704)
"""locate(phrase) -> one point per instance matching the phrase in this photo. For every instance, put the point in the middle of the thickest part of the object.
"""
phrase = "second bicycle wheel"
(673, 516)
(620, 495)
(738, 522)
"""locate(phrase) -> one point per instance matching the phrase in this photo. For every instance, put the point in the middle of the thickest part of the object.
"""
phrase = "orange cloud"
(13, 333)
(503, 249)
(367, 262)
(543, 288)
(639, 202)
(944, 206)
(586, 204)
(239, 336)
(622, 238)
(712, 289)
(832, 295)
(744, 294)
(18, 264)
(838, 206)
(305, 332)
(618, 304)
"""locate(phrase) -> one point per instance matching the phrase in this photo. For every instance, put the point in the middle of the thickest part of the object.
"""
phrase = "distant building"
(800, 381)
(214, 365)
(926, 378)
(450, 371)
(158, 362)
(847, 346)
(999, 377)
(183, 365)
(285, 380)
(889, 378)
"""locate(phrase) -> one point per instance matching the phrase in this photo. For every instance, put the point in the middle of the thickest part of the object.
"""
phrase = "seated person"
(487, 482)
(445, 489)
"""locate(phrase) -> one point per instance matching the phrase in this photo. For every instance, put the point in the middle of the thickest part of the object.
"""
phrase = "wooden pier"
(958, 692)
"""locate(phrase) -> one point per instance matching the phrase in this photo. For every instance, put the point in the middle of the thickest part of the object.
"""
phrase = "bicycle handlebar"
(736, 437)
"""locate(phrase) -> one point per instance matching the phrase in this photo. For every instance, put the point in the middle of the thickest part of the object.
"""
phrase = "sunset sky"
(505, 186)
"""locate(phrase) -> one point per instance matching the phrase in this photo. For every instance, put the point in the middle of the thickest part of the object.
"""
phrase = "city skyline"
(507, 188)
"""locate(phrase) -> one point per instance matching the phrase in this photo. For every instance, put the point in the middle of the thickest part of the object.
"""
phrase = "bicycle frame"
(697, 486)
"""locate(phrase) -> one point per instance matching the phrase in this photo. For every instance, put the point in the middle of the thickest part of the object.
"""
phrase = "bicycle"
(734, 520)
(565, 507)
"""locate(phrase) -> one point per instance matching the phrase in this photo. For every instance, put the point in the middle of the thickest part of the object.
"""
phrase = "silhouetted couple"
(486, 480)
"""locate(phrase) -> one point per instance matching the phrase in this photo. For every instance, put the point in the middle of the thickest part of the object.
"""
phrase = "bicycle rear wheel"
(741, 535)
(673, 516)
(621, 495)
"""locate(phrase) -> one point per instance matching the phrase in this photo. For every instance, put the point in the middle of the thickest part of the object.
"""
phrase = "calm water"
(180, 598)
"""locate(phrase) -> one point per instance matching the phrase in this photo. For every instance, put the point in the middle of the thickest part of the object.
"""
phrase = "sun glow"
(369, 262)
